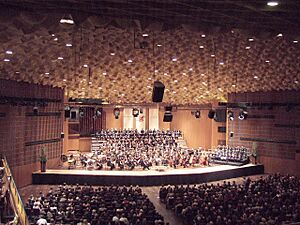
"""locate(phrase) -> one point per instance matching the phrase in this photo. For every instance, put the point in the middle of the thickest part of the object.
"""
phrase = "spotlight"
(98, 112)
(135, 112)
(67, 19)
(211, 114)
(197, 114)
(35, 110)
(243, 115)
(116, 113)
(81, 112)
(230, 115)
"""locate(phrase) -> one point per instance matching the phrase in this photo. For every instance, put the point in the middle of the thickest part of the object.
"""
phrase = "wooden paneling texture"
(277, 145)
(17, 129)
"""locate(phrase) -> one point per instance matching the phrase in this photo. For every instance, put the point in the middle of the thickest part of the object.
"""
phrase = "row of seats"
(271, 200)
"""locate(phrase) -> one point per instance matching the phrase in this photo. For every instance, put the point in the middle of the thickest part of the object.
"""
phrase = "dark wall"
(23, 134)
(274, 127)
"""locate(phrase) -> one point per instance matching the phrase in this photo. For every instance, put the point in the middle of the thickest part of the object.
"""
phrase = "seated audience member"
(270, 200)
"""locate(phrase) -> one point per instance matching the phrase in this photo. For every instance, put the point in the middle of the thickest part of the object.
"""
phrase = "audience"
(274, 199)
(83, 205)
(128, 149)
(231, 155)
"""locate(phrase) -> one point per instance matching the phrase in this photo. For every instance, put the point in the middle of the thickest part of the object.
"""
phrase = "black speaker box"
(67, 113)
(168, 117)
(220, 115)
(158, 91)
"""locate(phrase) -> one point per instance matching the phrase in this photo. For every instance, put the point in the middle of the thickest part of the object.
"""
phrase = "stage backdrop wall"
(276, 130)
(22, 134)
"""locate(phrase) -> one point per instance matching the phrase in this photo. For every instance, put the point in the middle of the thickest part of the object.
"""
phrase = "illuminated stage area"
(145, 177)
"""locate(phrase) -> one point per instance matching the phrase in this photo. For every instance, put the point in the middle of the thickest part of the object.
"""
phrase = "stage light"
(35, 110)
(67, 19)
(135, 112)
(197, 114)
(81, 112)
(243, 115)
(230, 115)
(211, 114)
(116, 113)
(98, 112)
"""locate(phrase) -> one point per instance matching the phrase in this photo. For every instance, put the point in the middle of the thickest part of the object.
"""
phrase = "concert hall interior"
(149, 112)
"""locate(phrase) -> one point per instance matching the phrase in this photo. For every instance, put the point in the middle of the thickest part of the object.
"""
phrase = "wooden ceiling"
(201, 50)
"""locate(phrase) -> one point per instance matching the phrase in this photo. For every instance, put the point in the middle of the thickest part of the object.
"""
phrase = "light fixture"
(85, 66)
(68, 45)
(8, 52)
(255, 77)
(267, 61)
(55, 39)
(251, 39)
(6, 60)
(98, 112)
(243, 114)
(203, 35)
(221, 63)
(135, 112)
(158, 45)
(116, 113)
(81, 112)
(67, 19)
(247, 47)
(197, 114)
(272, 3)
(279, 35)
(35, 110)
(174, 59)
(211, 114)
(295, 41)
(230, 115)
(201, 46)
(130, 60)
(145, 35)
(112, 53)
(212, 55)
(60, 58)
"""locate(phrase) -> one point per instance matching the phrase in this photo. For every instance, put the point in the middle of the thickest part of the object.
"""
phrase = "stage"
(145, 177)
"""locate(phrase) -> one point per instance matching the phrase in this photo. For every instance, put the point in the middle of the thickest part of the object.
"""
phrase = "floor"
(152, 193)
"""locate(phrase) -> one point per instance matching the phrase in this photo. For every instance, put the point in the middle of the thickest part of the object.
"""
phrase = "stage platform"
(145, 177)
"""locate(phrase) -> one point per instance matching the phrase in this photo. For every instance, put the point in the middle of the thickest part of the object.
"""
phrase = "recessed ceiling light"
(203, 35)
(202, 74)
(133, 77)
(6, 60)
(251, 39)
(272, 3)
(165, 74)
(267, 61)
(184, 74)
(155, 71)
(60, 58)
(174, 92)
(47, 73)
(83, 88)
(68, 45)
(130, 60)
(148, 86)
(100, 88)
(220, 89)
(64, 80)
(174, 59)
(175, 81)
(53, 35)
(185, 88)
(158, 45)
(149, 78)
(221, 63)
(17, 72)
(247, 47)
(55, 39)
(90, 82)
(212, 55)
(145, 35)
(201, 46)
(204, 83)
(9, 52)
(255, 77)
(190, 69)
(112, 53)
(296, 82)
(85, 65)
(104, 73)
(233, 85)
(279, 35)
(295, 41)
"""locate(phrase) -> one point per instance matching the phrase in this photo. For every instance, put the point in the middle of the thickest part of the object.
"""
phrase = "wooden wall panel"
(197, 132)
(277, 145)
(111, 122)
(17, 129)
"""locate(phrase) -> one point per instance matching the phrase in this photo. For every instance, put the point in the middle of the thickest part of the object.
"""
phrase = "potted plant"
(43, 159)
